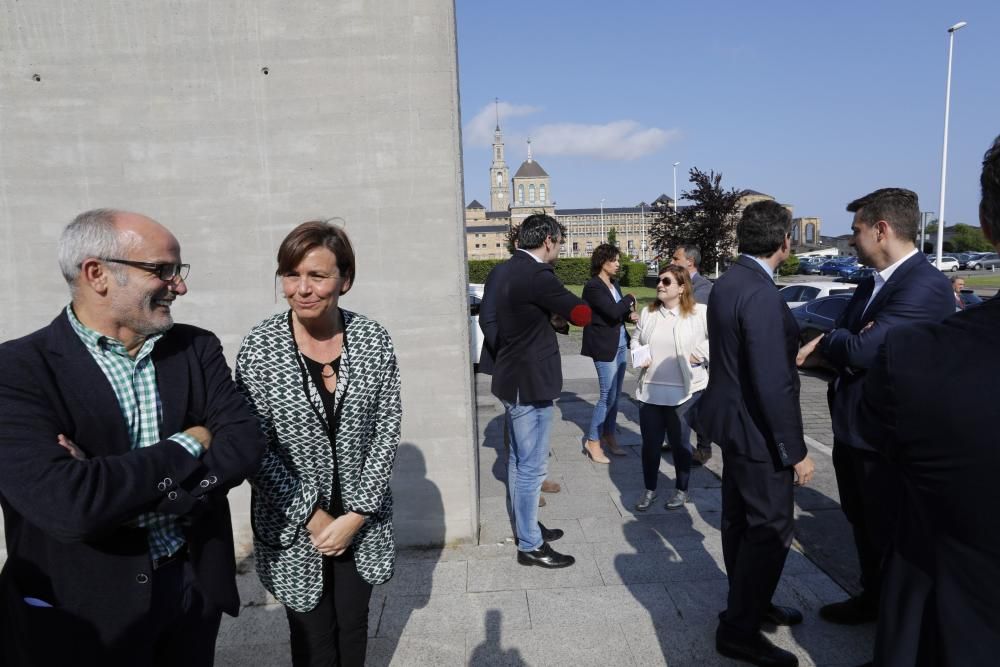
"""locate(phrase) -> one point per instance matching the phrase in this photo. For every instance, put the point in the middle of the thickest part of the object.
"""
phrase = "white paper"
(641, 356)
(35, 602)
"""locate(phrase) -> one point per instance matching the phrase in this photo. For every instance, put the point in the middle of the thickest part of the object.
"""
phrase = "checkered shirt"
(134, 384)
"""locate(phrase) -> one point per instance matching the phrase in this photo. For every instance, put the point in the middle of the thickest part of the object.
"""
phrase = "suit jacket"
(296, 475)
(701, 288)
(916, 292)
(943, 575)
(488, 319)
(600, 339)
(528, 367)
(751, 406)
(67, 541)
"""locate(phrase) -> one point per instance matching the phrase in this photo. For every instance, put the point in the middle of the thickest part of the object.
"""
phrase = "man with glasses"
(527, 375)
(120, 435)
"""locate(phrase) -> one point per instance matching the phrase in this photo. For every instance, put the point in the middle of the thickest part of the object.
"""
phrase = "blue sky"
(813, 103)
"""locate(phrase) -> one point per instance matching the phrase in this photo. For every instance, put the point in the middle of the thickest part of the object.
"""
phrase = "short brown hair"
(680, 274)
(602, 253)
(897, 206)
(314, 234)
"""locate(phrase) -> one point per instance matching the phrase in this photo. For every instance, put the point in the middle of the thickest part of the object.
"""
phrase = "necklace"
(327, 367)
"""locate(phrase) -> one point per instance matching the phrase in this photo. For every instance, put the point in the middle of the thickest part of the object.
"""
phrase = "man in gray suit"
(688, 257)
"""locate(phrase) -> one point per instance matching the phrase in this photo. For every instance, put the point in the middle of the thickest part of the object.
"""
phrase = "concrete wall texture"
(230, 122)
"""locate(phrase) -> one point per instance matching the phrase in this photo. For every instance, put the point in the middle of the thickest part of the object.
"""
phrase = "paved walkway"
(646, 588)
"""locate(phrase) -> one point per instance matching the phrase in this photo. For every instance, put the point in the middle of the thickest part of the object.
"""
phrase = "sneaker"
(678, 500)
(645, 500)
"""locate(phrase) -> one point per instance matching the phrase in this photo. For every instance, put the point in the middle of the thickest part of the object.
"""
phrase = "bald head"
(106, 233)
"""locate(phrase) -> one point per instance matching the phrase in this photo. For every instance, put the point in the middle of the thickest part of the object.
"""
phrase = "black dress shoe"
(549, 535)
(782, 615)
(757, 650)
(852, 611)
(545, 556)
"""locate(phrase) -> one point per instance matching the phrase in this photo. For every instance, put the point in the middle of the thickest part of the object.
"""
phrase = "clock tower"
(499, 175)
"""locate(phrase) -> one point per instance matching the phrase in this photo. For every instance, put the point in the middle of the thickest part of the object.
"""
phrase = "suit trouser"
(757, 511)
(869, 490)
(527, 463)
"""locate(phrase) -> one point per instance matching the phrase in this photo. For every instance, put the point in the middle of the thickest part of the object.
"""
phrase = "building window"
(590, 246)
(520, 193)
(795, 233)
(576, 246)
(498, 245)
(498, 155)
(541, 193)
(499, 179)
(531, 193)
(477, 245)
(810, 233)
(630, 244)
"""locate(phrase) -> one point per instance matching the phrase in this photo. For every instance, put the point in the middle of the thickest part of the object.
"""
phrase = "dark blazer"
(942, 582)
(600, 339)
(66, 540)
(528, 367)
(701, 288)
(751, 406)
(488, 319)
(916, 292)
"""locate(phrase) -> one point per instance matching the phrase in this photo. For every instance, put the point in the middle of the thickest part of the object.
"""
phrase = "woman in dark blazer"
(324, 384)
(606, 341)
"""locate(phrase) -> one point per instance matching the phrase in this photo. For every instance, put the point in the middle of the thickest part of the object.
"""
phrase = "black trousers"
(757, 512)
(654, 422)
(185, 624)
(870, 489)
(335, 632)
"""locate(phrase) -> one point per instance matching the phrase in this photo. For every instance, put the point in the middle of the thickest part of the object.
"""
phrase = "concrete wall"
(230, 122)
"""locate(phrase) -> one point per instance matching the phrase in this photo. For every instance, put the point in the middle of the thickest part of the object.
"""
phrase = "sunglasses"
(666, 282)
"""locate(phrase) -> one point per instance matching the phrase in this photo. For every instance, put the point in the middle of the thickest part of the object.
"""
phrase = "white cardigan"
(690, 337)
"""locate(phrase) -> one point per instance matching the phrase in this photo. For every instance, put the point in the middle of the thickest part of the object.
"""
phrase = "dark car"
(810, 265)
(841, 266)
(857, 275)
(969, 298)
(988, 261)
(819, 315)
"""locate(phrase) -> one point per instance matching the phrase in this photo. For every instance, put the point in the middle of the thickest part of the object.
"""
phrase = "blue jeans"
(527, 464)
(610, 375)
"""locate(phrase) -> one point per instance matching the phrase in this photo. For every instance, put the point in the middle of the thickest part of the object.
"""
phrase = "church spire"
(529, 149)
(496, 102)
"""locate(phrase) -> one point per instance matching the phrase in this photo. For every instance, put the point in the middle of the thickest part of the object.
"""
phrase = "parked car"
(963, 259)
(819, 315)
(796, 294)
(948, 263)
(475, 333)
(858, 275)
(988, 261)
(809, 266)
(841, 267)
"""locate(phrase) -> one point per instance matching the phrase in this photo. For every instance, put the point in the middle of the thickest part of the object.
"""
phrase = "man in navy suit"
(905, 289)
(120, 435)
(751, 409)
(942, 574)
(527, 375)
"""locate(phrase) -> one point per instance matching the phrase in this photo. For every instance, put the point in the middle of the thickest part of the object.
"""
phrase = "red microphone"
(581, 315)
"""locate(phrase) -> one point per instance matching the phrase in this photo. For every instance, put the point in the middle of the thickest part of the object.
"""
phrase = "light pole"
(924, 217)
(602, 220)
(944, 150)
(675, 186)
(642, 233)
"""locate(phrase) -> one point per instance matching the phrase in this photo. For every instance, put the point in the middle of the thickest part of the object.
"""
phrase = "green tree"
(968, 237)
(709, 222)
(789, 267)
(613, 237)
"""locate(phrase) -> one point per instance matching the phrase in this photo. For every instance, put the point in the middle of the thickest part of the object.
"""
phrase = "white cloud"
(617, 140)
(479, 130)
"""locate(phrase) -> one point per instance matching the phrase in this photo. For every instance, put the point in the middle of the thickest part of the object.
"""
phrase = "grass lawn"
(642, 294)
(988, 280)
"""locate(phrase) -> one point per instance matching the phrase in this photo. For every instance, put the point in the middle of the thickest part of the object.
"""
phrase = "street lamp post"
(944, 150)
(603, 238)
(675, 186)
(642, 232)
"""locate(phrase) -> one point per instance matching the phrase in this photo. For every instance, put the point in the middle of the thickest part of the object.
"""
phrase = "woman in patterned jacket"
(325, 385)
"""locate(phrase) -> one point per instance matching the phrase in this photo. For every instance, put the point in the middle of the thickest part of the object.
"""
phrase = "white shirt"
(531, 255)
(882, 277)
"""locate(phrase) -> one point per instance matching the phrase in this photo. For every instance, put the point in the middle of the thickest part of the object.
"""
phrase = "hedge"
(571, 271)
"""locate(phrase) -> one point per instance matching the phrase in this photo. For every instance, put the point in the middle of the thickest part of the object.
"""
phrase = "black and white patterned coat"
(296, 475)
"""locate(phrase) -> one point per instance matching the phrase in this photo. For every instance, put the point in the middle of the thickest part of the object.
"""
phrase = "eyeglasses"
(168, 273)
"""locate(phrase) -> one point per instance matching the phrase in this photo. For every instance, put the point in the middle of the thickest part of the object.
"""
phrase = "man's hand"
(70, 447)
(559, 323)
(201, 434)
(808, 357)
(336, 537)
(804, 470)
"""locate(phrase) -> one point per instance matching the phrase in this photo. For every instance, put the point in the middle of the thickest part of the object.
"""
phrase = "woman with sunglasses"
(324, 384)
(606, 341)
(675, 330)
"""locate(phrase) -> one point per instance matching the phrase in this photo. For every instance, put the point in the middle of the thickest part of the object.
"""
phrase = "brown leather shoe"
(551, 487)
(611, 442)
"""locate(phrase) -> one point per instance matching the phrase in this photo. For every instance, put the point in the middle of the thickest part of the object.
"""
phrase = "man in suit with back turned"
(120, 435)
(941, 586)
(751, 409)
(905, 288)
(527, 376)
